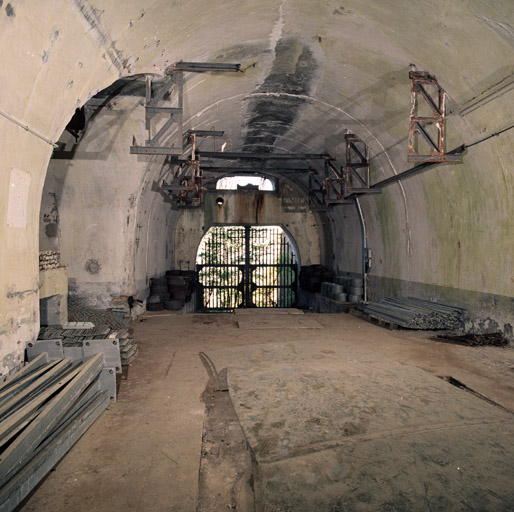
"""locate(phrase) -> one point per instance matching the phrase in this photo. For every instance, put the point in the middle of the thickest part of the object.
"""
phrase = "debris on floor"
(44, 409)
(413, 313)
(496, 339)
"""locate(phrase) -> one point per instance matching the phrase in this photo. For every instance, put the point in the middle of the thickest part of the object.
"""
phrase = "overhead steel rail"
(256, 170)
(263, 156)
(413, 171)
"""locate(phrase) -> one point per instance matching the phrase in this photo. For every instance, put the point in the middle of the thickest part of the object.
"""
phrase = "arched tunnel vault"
(310, 72)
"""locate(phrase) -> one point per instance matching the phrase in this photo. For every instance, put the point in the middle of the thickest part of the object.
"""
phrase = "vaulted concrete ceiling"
(311, 70)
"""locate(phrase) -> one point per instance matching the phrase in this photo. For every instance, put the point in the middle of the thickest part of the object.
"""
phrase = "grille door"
(246, 267)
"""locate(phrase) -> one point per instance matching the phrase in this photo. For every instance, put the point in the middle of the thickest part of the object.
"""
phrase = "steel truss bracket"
(427, 131)
(340, 185)
(187, 187)
(164, 109)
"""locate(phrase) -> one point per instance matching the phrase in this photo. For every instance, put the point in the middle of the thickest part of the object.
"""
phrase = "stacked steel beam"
(44, 409)
(413, 313)
(76, 337)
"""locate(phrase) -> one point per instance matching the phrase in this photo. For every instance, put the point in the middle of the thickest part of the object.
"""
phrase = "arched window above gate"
(245, 182)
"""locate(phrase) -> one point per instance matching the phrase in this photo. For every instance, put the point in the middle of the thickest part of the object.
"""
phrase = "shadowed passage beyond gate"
(246, 267)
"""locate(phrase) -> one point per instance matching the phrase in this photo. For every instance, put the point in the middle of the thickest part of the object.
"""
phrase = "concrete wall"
(286, 208)
(101, 207)
(311, 71)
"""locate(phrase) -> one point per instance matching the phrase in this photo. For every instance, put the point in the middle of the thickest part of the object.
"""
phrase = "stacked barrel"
(170, 292)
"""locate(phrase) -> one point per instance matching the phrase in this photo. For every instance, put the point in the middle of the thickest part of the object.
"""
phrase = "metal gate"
(246, 267)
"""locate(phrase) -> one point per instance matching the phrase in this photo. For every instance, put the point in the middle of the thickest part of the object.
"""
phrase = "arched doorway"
(247, 266)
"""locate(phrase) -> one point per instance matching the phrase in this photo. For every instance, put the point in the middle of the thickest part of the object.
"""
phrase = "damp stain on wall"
(93, 266)
(9, 10)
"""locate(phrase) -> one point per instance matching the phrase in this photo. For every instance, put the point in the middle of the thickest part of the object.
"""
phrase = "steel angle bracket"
(49, 454)
(107, 382)
(164, 109)
(427, 131)
(53, 348)
(109, 347)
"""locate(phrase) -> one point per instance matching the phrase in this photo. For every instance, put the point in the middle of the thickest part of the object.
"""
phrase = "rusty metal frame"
(340, 185)
(418, 124)
(187, 188)
(356, 176)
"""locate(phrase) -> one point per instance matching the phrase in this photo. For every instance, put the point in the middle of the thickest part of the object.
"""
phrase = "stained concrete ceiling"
(313, 70)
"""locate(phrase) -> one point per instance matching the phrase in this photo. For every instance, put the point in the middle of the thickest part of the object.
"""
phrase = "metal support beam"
(19, 451)
(262, 156)
(255, 170)
(427, 131)
(202, 67)
(205, 133)
(418, 169)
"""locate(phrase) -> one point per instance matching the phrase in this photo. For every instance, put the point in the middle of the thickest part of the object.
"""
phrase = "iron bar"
(205, 133)
(163, 110)
(364, 243)
(19, 450)
(154, 150)
(202, 67)
(14, 491)
(26, 370)
(263, 156)
(39, 384)
(255, 170)
(418, 169)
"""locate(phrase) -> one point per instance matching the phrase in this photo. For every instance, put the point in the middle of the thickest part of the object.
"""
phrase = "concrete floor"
(340, 415)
